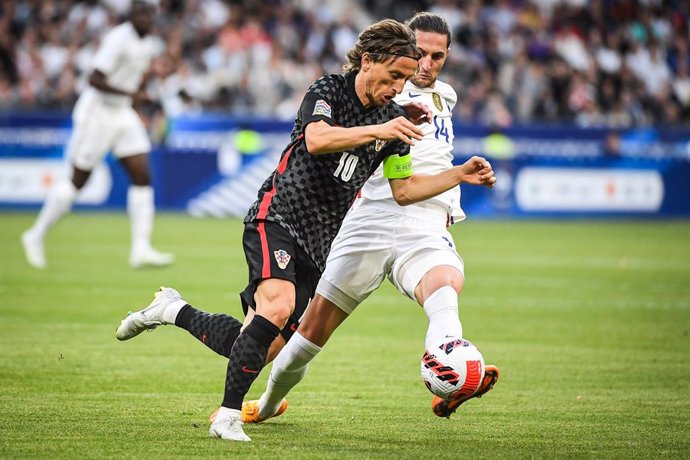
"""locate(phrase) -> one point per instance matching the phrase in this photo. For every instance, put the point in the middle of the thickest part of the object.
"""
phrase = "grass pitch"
(588, 322)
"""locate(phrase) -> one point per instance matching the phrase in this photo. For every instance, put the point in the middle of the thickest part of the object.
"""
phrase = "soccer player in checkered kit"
(408, 244)
(347, 126)
(104, 120)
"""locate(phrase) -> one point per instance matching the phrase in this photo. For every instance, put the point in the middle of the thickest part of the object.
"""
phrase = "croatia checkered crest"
(452, 367)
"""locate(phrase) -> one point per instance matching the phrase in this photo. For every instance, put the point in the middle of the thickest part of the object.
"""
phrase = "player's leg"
(430, 271)
(131, 148)
(57, 204)
(273, 258)
(290, 367)
(88, 144)
(274, 300)
(433, 273)
(250, 409)
(356, 266)
(217, 331)
(437, 292)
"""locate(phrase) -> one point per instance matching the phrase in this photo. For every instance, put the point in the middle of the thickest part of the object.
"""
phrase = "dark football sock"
(216, 331)
(247, 359)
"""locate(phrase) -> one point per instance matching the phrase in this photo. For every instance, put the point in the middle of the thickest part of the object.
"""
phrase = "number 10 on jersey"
(346, 166)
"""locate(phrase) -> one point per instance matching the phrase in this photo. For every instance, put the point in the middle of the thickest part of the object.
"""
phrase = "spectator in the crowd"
(620, 63)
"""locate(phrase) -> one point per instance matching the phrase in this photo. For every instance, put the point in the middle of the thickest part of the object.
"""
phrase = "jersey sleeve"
(318, 102)
(106, 57)
(449, 95)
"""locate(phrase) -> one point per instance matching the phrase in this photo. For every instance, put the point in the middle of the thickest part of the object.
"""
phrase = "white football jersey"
(123, 57)
(431, 155)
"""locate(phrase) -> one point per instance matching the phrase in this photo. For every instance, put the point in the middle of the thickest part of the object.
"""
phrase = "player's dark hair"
(383, 40)
(429, 22)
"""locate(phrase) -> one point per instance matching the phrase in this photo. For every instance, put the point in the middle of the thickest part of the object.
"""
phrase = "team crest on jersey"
(378, 145)
(282, 257)
(437, 101)
(322, 108)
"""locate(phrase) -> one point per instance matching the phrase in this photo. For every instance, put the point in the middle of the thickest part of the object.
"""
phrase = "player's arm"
(320, 137)
(98, 80)
(411, 188)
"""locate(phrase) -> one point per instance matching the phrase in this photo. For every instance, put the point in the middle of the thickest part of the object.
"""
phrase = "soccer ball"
(452, 367)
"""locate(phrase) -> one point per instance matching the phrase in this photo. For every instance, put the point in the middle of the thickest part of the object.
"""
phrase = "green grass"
(588, 321)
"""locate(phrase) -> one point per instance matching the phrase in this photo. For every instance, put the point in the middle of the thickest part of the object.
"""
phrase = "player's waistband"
(113, 100)
(427, 213)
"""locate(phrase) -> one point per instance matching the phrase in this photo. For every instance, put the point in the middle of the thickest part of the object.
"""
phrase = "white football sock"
(57, 204)
(289, 368)
(141, 211)
(441, 308)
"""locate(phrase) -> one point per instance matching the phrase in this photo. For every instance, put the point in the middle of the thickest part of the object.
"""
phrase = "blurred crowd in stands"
(612, 63)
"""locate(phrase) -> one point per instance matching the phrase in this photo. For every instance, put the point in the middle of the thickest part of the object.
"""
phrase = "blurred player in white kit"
(104, 120)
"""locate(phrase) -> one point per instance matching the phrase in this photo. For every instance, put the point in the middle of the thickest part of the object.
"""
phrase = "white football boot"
(150, 257)
(228, 426)
(33, 249)
(166, 304)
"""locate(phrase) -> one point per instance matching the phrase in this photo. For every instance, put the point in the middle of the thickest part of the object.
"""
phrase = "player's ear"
(366, 61)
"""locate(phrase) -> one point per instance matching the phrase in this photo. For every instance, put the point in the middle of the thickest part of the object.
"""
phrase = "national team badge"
(282, 257)
(322, 108)
(437, 101)
(379, 145)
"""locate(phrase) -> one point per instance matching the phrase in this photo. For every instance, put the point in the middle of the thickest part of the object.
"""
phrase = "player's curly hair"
(383, 40)
(429, 22)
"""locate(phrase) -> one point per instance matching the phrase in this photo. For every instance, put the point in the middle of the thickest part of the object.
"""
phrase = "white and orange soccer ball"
(452, 367)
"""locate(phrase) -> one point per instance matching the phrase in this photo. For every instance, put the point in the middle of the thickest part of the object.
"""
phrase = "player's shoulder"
(328, 84)
(393, 109)
(120, 32)
(446, 91)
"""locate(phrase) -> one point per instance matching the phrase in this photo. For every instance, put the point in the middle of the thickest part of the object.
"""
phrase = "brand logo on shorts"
(282, 257)
(379, 145)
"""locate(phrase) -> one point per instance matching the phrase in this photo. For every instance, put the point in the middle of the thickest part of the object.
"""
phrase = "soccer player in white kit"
(410, 245)
(104, 120)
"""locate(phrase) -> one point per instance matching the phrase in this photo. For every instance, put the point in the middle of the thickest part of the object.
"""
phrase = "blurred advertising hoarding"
(213, 165)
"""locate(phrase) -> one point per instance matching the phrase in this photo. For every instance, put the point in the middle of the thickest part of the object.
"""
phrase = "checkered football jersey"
(309, 195)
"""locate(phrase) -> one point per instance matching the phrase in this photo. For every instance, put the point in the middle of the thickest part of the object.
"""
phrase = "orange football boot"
(444, 408)
(250, 412)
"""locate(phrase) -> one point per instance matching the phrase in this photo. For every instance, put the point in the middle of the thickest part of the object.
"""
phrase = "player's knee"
(276, 305)
(141, 178)
(278, 313)
(442, 276)
(456, 281)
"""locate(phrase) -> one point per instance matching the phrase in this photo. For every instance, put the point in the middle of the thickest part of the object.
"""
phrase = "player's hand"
(399, 128)
(417, 112)
(140, 98)
(478, 171)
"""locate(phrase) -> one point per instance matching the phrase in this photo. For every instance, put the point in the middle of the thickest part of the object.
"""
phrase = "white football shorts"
(99, 128)
(373, 243)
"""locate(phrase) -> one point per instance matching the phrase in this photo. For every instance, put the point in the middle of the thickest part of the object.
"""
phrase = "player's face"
(385, 80)
(434, 47)
(142, 18)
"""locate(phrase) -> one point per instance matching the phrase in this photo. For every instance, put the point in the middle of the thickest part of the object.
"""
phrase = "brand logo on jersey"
(413, 95)
(378, 145)
(282, 257)
(437, 101)
(322, 108)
